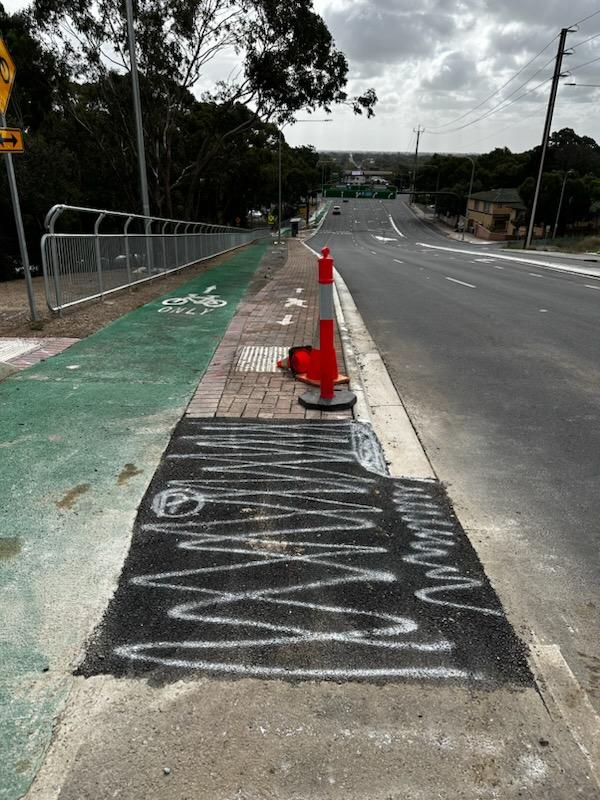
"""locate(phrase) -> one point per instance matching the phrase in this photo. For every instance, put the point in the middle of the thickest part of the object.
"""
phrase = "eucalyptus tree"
(275, 58)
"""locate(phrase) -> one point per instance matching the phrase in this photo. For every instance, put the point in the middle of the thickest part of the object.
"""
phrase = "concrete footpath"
(294, 613)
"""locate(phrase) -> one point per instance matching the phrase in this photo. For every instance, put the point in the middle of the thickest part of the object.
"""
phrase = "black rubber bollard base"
(343, 399)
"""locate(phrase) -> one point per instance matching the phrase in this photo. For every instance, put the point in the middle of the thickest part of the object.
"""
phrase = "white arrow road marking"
(462, 283)
(209, 289)
(287, 320)
(295, 301)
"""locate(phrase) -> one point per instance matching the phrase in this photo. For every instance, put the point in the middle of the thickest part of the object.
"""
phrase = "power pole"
(549, 113)
(418, 130)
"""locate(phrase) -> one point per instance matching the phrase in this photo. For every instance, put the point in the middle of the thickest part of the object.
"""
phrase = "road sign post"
(11, 141)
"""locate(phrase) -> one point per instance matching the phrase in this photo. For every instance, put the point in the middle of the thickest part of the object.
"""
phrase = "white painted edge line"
(462, 283)
(561, 690)
(377, 399)
(393, 224)
(568, 268)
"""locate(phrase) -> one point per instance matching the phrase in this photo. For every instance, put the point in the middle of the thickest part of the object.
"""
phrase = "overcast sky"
(435, 61)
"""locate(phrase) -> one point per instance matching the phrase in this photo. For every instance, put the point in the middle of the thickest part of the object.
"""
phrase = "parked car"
(337, 210)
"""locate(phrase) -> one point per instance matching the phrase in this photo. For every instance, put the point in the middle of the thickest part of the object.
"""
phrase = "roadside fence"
(120, 250)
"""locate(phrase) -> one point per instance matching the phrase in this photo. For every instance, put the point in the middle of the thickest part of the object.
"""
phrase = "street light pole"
(279, 208)
(469, 194)
(562, 194)
(137, 108)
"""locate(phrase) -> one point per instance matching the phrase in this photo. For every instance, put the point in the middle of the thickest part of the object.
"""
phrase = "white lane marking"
(484, 260)
(497, 266)
(373, 252)
(397, 260)
(299, 291)
(393, 224)
(535, 275)
(383, 238)
(462, 283)
(569, 268)
(589, 286)
(287, 320)
(543, 310)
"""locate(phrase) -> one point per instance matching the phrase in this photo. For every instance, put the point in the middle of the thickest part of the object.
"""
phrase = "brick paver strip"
(224, 392)
(49, 348)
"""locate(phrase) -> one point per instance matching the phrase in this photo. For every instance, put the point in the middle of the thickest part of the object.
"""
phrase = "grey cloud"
(386, 33)
(455, 72)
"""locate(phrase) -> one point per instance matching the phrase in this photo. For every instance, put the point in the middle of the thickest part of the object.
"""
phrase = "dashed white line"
(373, 252)
(397, 260)
(589, 286)
(462, 283)
(535, 275)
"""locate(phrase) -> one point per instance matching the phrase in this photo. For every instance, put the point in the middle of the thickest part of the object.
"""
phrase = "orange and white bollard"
(327, 397)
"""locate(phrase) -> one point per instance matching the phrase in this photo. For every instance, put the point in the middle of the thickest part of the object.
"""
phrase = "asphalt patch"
(284, 550)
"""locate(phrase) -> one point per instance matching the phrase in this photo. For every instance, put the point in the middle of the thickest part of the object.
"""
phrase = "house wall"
(481, 221)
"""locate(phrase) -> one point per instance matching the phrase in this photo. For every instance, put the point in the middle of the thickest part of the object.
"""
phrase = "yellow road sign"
(11, 140)
(7, 76)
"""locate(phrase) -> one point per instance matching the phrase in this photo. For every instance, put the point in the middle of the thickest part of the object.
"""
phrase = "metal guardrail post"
(198, 240)
(50, 222)
(99, 219)
(177, 243)
(186, 242)
(164, 245)
(127, 252)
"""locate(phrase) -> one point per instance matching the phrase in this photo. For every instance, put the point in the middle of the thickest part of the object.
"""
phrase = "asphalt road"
(498, 365)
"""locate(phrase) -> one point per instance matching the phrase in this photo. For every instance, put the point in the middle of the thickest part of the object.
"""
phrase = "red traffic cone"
(297, 360)
(312, 375)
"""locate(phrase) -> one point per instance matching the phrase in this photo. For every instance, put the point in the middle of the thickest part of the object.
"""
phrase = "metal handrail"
(86, 266)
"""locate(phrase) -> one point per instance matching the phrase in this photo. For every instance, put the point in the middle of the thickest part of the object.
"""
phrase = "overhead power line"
(585, 64)
(585, 41)
(504, 85)
(585, 19)
(500, 107)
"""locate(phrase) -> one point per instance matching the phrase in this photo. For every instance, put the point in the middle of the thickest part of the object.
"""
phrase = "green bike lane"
(80, 437)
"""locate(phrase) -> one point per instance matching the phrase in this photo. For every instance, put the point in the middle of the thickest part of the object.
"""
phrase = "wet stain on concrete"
(71, 496)
(10, 547)
(128, 471)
